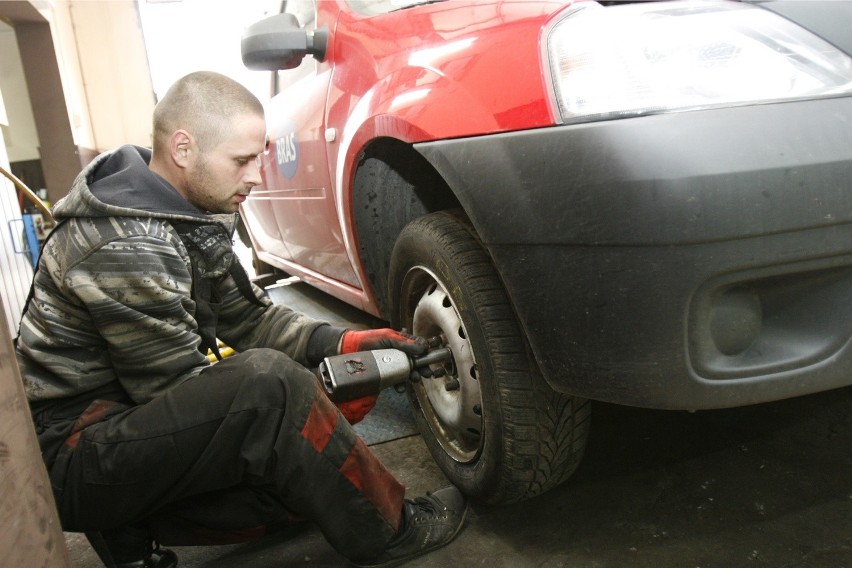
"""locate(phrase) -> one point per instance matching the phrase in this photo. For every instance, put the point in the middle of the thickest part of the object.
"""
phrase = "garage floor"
(769, 485)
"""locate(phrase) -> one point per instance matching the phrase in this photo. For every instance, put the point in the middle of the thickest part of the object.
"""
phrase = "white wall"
(108, 71)
(106, 90)
(20, 132)
(15, 270)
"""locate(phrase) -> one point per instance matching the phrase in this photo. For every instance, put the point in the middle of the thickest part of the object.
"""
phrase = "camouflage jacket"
(114, 312)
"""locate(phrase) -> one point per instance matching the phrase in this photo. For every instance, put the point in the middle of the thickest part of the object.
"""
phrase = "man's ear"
(181, 145)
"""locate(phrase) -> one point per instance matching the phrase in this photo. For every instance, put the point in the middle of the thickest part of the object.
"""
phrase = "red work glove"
(354, 411)
(371, 339)
(353, 341)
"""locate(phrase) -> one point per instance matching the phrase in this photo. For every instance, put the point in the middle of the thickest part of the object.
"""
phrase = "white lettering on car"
(287, 154)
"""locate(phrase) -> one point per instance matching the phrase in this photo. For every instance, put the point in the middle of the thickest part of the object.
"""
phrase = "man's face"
(221, 178)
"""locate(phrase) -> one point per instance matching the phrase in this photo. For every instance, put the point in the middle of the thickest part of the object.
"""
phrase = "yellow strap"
(224, 351)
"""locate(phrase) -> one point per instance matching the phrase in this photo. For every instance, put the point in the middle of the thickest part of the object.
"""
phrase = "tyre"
(490, 421)
(265, 274)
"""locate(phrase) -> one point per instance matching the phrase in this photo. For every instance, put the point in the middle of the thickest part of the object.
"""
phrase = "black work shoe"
(130, 547)
(159, 558)
(430, 522)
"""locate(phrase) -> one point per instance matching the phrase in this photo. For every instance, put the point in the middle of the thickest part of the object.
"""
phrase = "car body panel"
(647, 219)
(828, 19)
(598, 183)
(384, 89)
(623, 243)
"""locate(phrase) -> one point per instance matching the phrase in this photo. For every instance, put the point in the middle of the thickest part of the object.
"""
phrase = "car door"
(298, 193)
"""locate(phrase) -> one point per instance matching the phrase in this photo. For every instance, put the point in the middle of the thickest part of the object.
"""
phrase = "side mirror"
(278, 42)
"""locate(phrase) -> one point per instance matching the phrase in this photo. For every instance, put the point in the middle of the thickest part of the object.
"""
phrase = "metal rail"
(30, 194)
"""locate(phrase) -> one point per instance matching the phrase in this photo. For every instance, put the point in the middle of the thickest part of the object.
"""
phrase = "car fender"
(387, 111)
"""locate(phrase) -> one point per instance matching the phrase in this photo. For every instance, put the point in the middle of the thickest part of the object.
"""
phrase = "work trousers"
(244, 448)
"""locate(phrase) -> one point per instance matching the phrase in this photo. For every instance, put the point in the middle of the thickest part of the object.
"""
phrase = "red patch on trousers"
(72, 440)
(383, 491)
(94, 413)
(320, 423)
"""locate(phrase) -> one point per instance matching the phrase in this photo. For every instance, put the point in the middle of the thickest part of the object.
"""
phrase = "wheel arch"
(393, 184)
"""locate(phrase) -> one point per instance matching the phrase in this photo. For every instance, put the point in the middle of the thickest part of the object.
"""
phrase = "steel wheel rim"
(451, 405)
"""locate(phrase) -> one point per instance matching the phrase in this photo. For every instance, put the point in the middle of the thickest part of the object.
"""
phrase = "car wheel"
(264, 274)
(490, 421)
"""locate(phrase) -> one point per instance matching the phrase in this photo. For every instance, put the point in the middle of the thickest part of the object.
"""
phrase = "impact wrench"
(365, 373)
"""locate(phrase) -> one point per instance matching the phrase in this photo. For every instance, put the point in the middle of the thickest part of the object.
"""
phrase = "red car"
(642, 203)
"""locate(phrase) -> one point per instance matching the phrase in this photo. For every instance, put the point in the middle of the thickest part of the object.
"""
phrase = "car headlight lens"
(655, 57)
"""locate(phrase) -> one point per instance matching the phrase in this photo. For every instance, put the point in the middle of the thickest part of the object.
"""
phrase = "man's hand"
(354, 411)
(353, 341)
(385, 338)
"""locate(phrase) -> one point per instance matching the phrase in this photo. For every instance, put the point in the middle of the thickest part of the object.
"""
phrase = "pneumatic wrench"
(356, 375)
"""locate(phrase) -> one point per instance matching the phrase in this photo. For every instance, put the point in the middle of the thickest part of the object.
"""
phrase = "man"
(144, 440)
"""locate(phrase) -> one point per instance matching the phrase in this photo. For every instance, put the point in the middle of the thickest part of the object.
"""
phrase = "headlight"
(663, 56)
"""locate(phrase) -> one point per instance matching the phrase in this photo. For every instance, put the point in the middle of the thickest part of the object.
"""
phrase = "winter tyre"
(492, 424)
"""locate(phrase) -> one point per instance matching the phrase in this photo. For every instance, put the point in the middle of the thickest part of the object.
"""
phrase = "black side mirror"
(278, 42)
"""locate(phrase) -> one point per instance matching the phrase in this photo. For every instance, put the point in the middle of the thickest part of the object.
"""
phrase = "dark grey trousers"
(244, 448)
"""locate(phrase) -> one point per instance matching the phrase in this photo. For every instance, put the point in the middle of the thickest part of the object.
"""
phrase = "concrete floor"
(769, 485)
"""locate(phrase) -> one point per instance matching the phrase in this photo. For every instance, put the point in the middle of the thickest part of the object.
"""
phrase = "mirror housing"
(278, 42)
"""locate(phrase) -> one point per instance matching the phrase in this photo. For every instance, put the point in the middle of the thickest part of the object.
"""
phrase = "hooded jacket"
(115, 309)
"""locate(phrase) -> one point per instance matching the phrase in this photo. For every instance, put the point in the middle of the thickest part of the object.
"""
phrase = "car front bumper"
(689, 260)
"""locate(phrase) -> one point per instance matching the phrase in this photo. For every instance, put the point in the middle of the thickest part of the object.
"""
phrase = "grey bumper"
(689, 260)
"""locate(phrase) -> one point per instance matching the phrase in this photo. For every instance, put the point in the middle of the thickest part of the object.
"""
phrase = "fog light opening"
(735, 320)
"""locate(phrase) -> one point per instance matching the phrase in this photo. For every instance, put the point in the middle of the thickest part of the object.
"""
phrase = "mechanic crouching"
(146, 442)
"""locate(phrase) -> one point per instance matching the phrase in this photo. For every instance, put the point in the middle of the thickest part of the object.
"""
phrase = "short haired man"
(144, 440)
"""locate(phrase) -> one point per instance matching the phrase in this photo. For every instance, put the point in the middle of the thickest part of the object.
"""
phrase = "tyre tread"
(546, 431)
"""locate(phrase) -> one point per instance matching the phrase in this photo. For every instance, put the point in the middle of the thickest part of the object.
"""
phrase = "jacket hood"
(120, 184)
